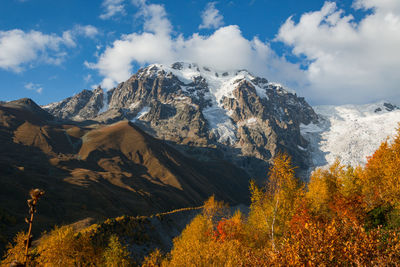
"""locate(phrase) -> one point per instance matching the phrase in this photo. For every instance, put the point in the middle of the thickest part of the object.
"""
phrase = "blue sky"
(330, 52)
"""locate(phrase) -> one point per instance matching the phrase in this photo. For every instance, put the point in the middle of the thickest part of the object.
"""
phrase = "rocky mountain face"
(87, 104)
(205, 113)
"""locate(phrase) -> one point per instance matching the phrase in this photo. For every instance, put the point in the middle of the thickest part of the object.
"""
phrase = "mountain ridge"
(245, 117)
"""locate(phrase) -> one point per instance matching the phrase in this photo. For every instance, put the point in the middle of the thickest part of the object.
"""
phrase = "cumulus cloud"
(211, 18)
(19, 48)
(348, 61)
(157, 44)
(343, 60)
(154, 16)
(112, 8)
(34, 87)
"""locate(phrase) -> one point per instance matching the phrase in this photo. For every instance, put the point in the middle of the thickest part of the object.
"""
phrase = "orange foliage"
(229, 229)
(382, 174)
(301, 216)
(338, 243)
(351, 208)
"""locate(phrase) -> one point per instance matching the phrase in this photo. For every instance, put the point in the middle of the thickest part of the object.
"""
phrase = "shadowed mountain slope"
(98, 171)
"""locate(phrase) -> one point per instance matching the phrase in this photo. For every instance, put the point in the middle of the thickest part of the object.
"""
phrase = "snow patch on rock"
(141, 113)
(104, 108)
(51, 105)
(251, 120)
(221, 125)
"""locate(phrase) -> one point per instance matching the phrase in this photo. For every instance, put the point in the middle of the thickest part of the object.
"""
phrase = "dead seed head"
(36, 193)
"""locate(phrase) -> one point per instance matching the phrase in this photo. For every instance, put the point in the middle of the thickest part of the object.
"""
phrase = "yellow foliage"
(215, 210)
(63, 247)
(271, 209)
(116, 255)
(382, 174)
(155, 258)
(327, 184)
(338, 244)
(204, 243)
(15, 252)
(350, 182)
(318, 193)
(190, 246)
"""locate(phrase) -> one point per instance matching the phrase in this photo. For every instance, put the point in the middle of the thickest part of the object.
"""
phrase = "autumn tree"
(64, 247)
(155, 258)
(211, 239)
(272, 207)
(323, 187)
(382, 174)
(116, 254)
(381, 182)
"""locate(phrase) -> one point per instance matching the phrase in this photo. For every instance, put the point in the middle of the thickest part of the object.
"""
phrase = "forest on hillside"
(344, 216)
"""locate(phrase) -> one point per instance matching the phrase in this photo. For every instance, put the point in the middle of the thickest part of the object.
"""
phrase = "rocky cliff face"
(206, 113)
(85, 105)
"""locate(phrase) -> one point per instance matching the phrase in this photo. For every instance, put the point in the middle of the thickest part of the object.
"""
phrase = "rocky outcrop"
(387, 107)
(87, 104)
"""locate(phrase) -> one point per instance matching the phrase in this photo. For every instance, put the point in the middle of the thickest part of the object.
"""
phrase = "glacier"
(350, 133)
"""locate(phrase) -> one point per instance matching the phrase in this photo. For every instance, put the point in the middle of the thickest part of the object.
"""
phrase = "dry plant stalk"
(35, 195)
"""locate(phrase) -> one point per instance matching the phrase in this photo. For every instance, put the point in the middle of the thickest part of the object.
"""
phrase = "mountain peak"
(27, 104)
(193, 68)
(220, 83)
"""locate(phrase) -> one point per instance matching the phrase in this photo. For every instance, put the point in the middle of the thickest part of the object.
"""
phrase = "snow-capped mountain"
(208, 113)
(350, 132)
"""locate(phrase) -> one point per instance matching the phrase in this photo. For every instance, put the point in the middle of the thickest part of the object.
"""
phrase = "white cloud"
(381, 5)
(353, 62)
(155, 18)
(211, 18)
(19, 48)
(345, 61)
(86, 30)
(87, 78)
(112, 8)
(34, 87)
(225, 49)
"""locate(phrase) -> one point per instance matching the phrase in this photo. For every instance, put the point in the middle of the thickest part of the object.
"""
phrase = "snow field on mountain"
(350, 132)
